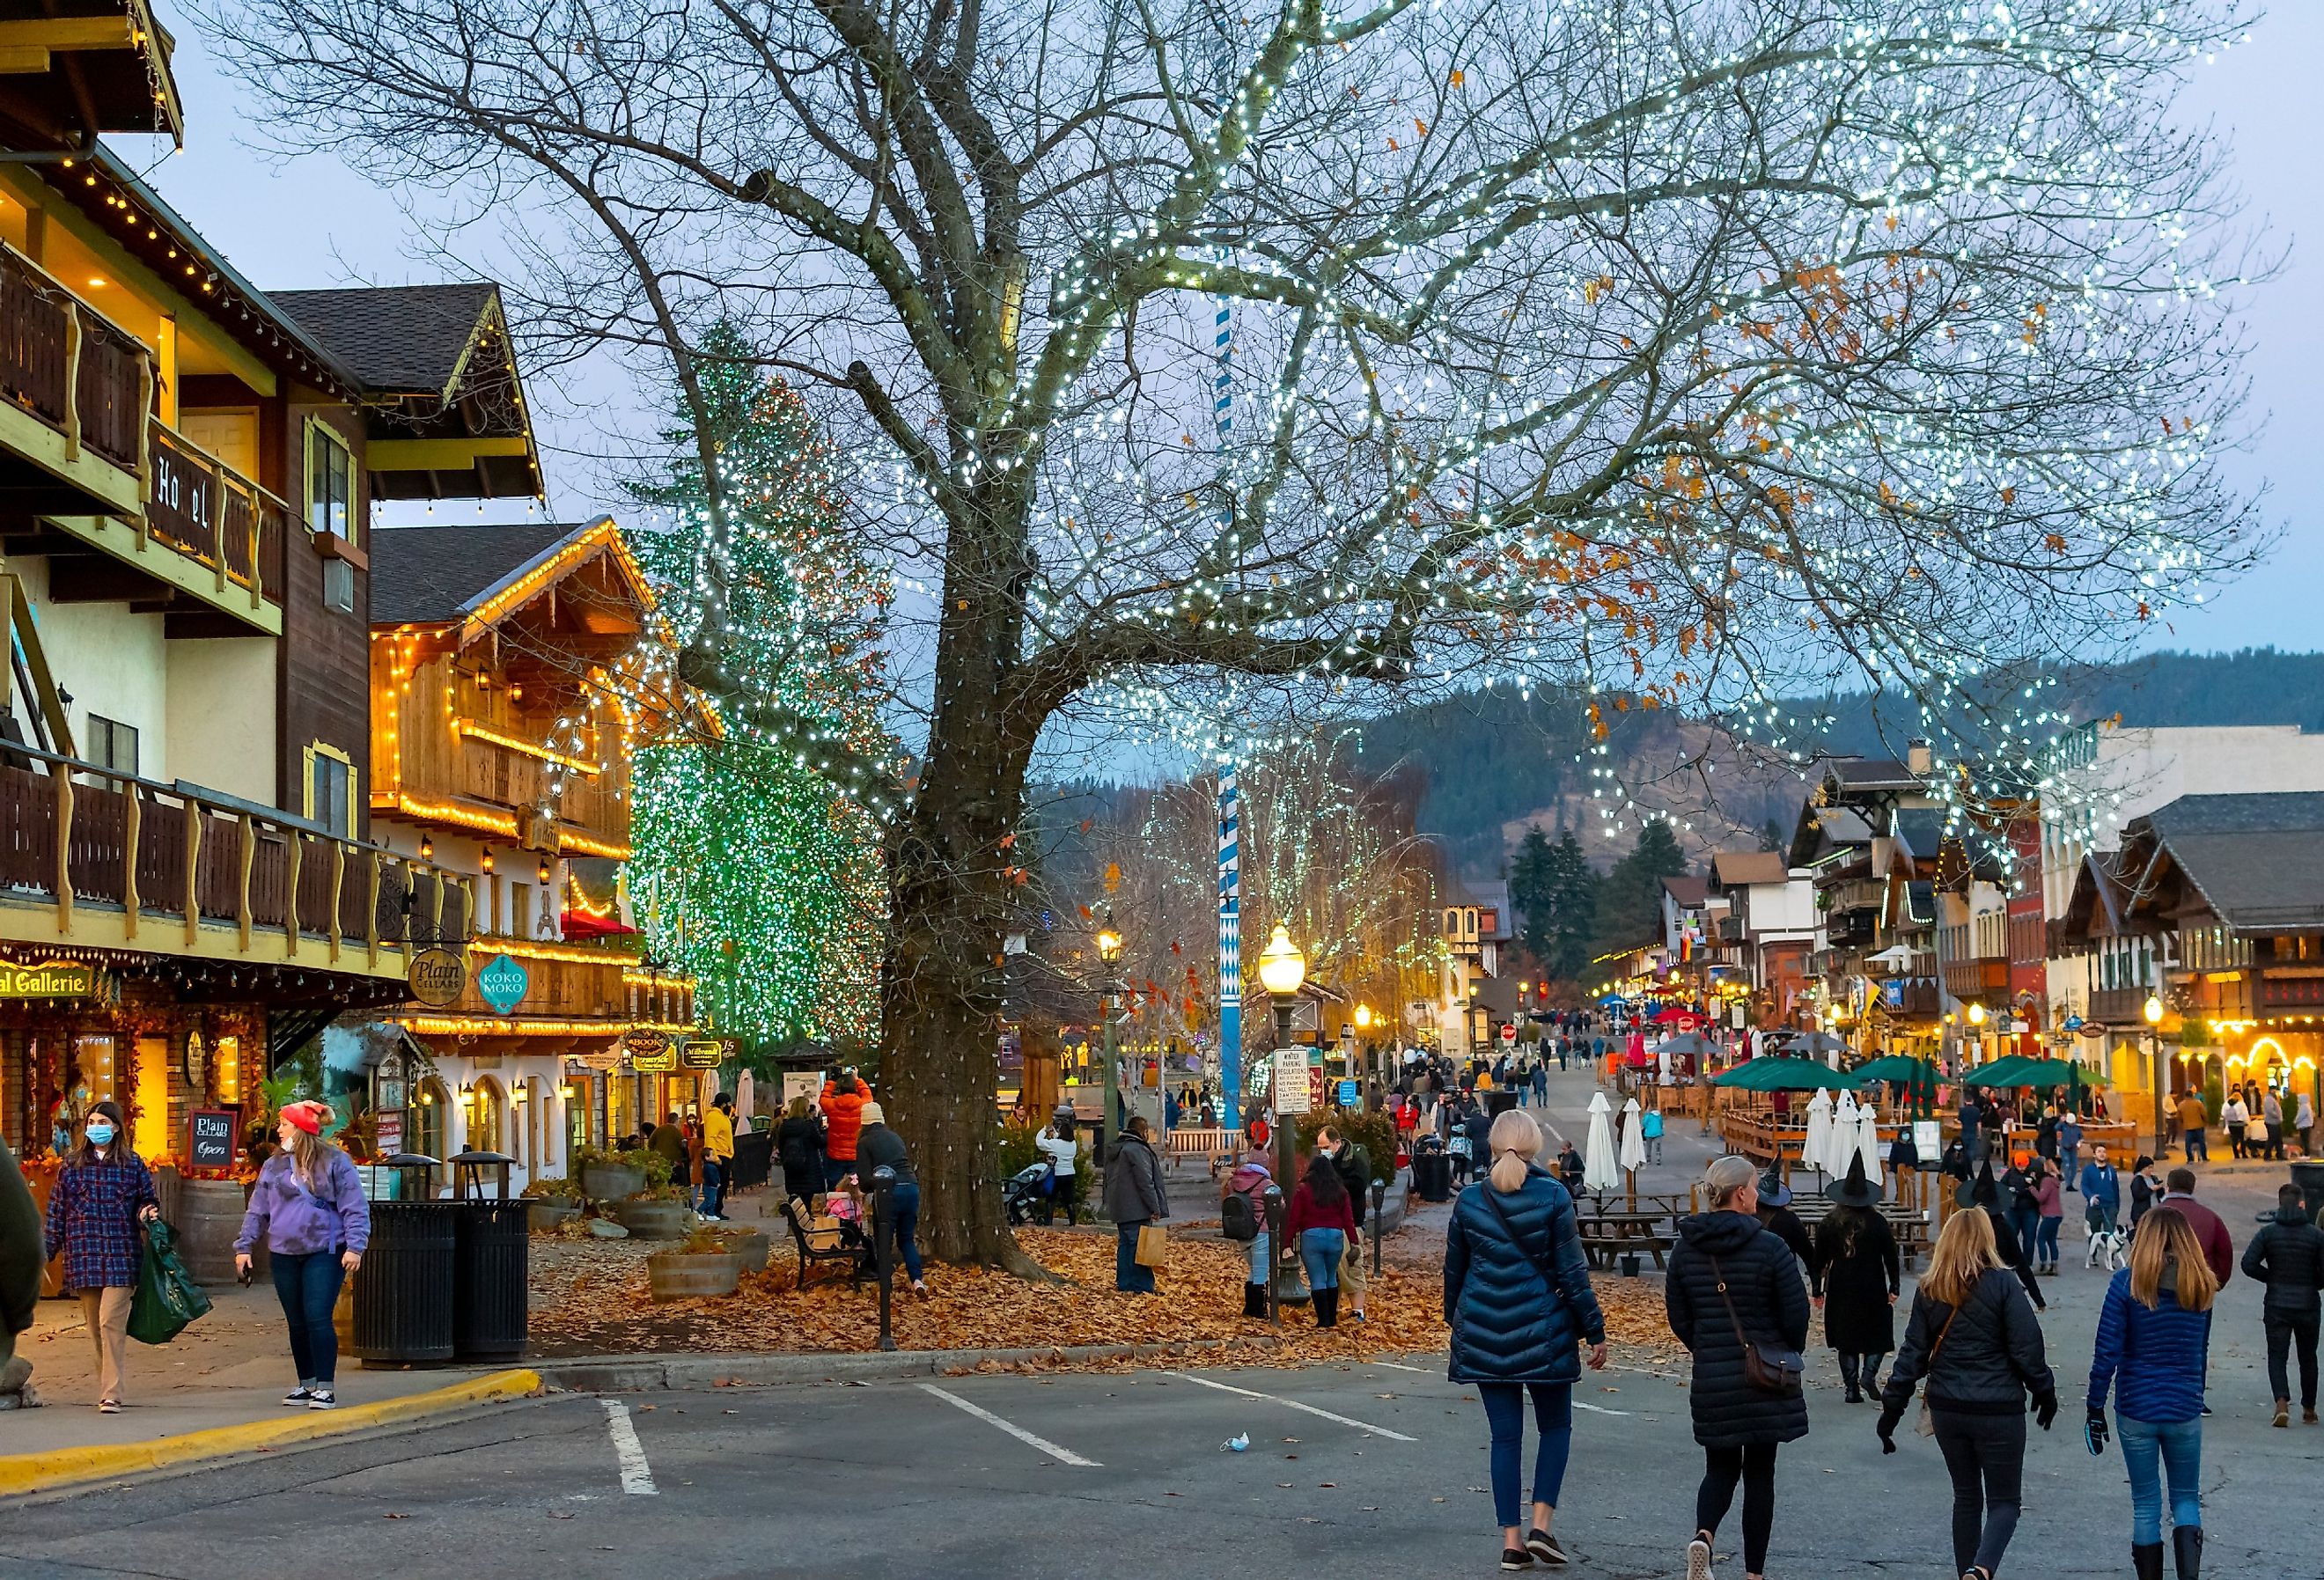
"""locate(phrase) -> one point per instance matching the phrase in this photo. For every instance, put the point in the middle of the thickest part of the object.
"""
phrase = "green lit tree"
(755, 869)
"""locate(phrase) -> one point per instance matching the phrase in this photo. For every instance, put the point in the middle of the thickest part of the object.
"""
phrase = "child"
(1650, 1129)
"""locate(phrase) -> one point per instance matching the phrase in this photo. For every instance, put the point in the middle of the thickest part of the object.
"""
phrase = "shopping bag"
(167, 1297)
(1153, 1245)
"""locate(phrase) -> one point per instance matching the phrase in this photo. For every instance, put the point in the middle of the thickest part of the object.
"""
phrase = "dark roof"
(1871, 774)
(2258, 860)
(426, 576)
(1920, 830)
(404, 339)
(1687, 893)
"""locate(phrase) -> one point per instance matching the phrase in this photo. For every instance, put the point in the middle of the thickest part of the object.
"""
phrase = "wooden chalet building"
(187, 893)
(505, 704)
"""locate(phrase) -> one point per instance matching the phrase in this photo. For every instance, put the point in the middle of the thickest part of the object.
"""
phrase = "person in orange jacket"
(843, 1118)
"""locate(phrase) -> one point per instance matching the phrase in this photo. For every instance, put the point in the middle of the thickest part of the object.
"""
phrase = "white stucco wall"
(221, 713)
(110, 660)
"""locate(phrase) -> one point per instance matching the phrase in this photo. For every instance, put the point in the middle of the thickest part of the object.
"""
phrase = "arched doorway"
(487, 1117)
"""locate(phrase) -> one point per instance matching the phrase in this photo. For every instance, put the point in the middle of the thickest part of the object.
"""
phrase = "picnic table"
(1609, 1232)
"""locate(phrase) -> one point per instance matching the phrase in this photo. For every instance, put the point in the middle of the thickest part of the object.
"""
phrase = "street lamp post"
(1282, 968)
(1108, 951)
(2153, 1010)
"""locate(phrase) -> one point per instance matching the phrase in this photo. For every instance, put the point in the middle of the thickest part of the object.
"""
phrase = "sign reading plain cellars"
(438, 976)
(55, 979)
(502, 983)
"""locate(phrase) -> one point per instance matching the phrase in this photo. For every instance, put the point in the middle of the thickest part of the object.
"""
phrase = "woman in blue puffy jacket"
(2154, 1334)
(1518, 1301)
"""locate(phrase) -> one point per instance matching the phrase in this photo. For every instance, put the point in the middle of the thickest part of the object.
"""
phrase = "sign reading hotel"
(57, 979)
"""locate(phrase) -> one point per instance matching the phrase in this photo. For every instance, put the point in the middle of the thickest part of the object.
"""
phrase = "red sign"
(1508, 1031)
(1315, 1087)
(391, 1133)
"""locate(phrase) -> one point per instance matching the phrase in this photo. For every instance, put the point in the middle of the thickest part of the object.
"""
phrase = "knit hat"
(872, 1114)
(305, 1116)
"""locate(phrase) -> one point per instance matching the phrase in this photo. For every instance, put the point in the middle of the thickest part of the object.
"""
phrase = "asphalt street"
(1375, 1470)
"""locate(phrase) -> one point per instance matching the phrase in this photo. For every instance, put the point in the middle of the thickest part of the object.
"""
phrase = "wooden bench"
(1215, 1146)
(1603, 1247)
(818, 1246)
(1909, 1224)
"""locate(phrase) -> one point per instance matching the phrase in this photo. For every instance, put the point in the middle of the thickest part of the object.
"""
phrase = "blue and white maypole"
(1230, 808)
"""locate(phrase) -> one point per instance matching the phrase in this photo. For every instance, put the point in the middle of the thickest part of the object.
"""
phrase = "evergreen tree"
(1573, 909)
(752, 868)
(1629, 904)
(1771, 834)
(1530, 891)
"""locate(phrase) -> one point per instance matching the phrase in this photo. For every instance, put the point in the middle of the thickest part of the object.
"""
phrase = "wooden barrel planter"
(210, 1216)
(612, 1181)
(681, 1275)
(652, 1220)
(547, 1212)
(750, 1246)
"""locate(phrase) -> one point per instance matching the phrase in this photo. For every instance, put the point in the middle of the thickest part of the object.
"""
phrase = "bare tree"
(1690, 349)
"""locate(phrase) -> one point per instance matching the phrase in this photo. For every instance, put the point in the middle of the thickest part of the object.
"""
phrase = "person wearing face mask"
(308, 1204)
(103, 1192)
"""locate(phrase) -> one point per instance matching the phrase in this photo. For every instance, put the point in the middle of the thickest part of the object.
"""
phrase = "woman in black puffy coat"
(1740, 1426)
(1518, 1301)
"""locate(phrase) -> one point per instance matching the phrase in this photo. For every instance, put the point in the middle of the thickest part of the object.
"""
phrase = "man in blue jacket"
(2102, 1189)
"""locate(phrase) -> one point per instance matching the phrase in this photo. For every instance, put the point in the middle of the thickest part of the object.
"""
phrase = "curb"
(39, 1473)
(646, 1373)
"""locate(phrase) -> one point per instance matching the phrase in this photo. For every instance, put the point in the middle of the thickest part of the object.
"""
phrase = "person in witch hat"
(1853, 1278)
(1984, 1193)
(1775, 1215)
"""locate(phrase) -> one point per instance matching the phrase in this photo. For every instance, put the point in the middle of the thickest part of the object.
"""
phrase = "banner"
(1229, 951)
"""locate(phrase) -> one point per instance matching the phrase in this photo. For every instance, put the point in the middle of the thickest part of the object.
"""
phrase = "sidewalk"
(231, 1368)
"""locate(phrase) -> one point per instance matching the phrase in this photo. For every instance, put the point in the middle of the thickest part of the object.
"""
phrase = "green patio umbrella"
(1776, 1074)
(2001, 1072)
(1894, 1066)
(2057, 1072)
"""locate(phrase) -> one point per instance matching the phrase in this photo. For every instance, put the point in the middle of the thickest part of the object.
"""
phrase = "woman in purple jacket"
(310, 1205)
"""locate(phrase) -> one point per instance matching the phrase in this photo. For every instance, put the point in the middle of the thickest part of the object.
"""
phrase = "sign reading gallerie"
(54, 979)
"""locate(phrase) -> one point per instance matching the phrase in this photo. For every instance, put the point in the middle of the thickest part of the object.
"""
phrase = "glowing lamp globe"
(1282, 967)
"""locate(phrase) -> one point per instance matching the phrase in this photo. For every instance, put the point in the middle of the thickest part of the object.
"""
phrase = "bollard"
(1379, 1199)
(1274, 1200)
(883, 1250)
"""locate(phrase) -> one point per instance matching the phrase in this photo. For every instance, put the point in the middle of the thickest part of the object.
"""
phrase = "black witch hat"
(1980, 1192)
(1773, 1191)
(1856, 1190)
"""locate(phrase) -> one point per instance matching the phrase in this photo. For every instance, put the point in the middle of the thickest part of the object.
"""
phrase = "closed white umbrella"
(1867, 1143)
(1599, 1169)
(1633, 1145)
(1816, 1148)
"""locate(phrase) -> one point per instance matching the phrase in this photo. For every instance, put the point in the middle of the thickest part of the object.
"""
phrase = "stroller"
(1024, 1191)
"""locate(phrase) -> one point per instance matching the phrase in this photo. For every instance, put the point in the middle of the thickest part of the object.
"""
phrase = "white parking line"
(637, 1476)
(1598, 1410)
(1295, 1404)
(1066, 1456)
(1416, 1370)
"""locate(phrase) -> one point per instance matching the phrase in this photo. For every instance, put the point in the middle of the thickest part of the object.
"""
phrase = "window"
(330, 788)
(330, 482)
(339, 585)
(112, 744)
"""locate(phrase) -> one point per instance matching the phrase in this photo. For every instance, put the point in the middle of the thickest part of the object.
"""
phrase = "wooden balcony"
(104, 860)
(2117, 1006)
(1977, 979)
(130, 509)
(573, 991)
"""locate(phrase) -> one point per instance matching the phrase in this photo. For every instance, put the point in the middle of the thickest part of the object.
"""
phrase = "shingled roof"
(398, 339)
(1735, 868)
(431, 575)
(2258, 860)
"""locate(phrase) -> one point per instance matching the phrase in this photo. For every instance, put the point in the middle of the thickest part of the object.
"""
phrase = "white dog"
(2106, 1249)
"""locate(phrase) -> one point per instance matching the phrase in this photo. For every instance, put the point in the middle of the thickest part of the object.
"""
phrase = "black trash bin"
(402, 1293)
(490, 1269)
(1432, 1172)
(1500, 1100)
(2310, 1179)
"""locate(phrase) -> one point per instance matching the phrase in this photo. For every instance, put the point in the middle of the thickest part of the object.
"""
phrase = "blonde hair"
(1965, 1249)
(1725, 1176)
(2164, 1237)
(1513, 1141)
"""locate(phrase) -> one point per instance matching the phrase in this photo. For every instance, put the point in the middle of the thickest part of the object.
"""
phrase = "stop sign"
(1509, 1031)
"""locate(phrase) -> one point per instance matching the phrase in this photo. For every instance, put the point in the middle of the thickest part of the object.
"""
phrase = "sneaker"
(1543, 1546)
(1698, 1558)
(919, 1288)
(322, 1399)
(109, 1407)
(2282, 1414)
(298, 1395)
(2308, 1417)
(1516, 1558)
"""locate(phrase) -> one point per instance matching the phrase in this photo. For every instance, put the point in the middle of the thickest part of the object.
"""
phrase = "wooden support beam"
(61, 777)
(338, 882)
(193, 872)
(249, 857)
(132, 814)
(291, 896)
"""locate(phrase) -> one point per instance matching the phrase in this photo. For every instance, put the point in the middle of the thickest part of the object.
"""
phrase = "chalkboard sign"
(214, 1133)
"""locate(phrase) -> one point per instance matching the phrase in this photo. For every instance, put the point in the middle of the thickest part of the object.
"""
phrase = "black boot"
(1870, 1374)
(1327, 1308)
(2187, 1546)
(1254, 1300)
(1847, 1377)
(2146, 1560)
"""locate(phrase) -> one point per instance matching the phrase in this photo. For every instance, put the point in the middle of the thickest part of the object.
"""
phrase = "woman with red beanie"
(309, 1204)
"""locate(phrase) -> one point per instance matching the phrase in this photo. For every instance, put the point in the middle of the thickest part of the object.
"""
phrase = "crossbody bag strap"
(1493, 1200)
(1720, 1275)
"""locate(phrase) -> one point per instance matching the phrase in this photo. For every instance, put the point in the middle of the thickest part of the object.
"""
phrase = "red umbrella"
(1677, 1015)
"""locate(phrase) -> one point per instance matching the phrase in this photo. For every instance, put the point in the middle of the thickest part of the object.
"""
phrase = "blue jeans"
(2025, 1223)
(1260, 1264)
(1128, 1276)
(2045, 1240)
(2074, 1155)
(1320, 1250)
(713, 1187)
(904, 1202)
(1553, 1414)
(2179, 1447)
(308, 1285)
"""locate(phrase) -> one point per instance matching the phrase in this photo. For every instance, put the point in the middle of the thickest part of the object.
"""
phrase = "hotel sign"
(57, 979)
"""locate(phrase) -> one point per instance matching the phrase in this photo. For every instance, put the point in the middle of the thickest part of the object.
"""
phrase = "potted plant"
(551, 1202)
(606, 1176)
(702, 1268)
(658, 1212)
(750, 1244)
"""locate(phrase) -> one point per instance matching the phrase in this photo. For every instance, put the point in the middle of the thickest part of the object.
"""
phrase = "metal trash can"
(490, 1273)
(1500, 1100)
(2310, 1179)
(404, 1290)
(1432, 1172)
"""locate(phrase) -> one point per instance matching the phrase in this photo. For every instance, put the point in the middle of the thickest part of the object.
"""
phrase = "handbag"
(1767, 1368)
(1153, 1245)
(1924, 1423)
(167, 1299)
